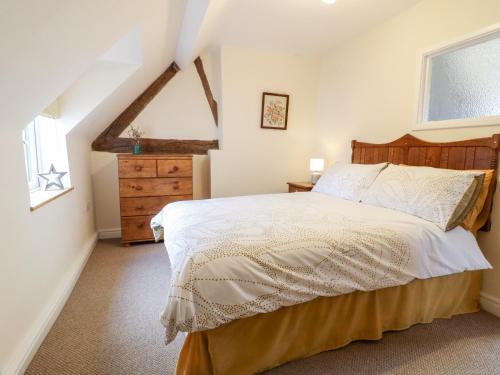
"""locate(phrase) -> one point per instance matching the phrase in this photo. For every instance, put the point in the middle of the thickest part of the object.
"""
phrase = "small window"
(31, 156)
(44, 143)
(461, 83)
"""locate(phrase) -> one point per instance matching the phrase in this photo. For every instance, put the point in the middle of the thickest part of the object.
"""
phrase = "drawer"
(151, 187)
(136, 168)
(136, 228)
(175, 168)
(148, 205)
(295, 189)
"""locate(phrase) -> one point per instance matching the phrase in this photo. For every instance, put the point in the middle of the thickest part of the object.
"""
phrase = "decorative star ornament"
(53, 178)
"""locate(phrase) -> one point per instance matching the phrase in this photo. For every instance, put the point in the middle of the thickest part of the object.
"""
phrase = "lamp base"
(315, 177)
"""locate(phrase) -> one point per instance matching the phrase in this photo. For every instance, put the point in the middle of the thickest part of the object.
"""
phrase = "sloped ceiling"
(308, 27)
(49, 45)
(160, 27)
(65, 38)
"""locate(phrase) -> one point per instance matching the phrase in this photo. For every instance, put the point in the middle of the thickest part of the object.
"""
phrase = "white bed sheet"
(236, 257)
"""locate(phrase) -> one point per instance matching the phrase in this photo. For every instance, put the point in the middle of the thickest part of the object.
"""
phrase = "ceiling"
(308, 27)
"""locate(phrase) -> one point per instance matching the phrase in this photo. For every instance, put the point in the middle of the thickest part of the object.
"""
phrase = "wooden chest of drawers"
(147, 184)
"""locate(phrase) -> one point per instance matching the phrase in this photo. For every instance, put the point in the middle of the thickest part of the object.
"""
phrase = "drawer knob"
(138, 168)
(140, 225)
(174, 169)
(139, 208)
(138, 187)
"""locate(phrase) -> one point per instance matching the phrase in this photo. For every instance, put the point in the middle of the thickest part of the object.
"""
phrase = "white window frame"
(32, 154)
(423, 86)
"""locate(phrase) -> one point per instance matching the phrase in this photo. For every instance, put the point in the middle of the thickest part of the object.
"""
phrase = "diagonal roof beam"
(132, 111)
(206, 87)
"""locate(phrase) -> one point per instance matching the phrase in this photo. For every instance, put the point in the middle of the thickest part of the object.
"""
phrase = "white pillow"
(348, 181)
(441, 196)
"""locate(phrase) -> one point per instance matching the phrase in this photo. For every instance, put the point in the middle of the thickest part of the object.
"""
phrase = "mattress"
(233, 258)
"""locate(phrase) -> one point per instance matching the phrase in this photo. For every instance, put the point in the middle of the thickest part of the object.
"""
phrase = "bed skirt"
(252, 345)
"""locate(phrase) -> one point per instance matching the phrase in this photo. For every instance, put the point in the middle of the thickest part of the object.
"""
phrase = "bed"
(252, 295)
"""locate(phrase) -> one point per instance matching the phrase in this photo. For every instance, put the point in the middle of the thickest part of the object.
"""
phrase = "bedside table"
(294, 187)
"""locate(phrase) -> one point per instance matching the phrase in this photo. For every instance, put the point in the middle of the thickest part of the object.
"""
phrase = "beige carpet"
(110, 325)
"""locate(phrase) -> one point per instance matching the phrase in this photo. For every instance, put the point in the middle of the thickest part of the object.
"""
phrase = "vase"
(136, 150)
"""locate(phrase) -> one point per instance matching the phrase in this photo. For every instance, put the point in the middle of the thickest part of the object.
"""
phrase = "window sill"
(459, 123)
(41, 198)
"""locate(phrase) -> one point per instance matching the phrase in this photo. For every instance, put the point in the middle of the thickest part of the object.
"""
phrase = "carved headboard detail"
(480, 153)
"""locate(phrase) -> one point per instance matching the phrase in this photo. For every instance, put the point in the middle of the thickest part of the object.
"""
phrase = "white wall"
(255, 160)
(369, 89)
(42, 250)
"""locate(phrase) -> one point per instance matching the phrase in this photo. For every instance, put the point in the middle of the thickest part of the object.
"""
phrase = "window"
(44, 144)
(31, 156)
(461, 83)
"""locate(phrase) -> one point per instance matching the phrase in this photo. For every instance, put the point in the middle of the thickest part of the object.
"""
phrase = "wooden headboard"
(480, 153)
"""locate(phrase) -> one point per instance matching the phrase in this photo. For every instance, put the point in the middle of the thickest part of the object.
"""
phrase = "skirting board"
(490, 304)
(28, 348)
(109, 233)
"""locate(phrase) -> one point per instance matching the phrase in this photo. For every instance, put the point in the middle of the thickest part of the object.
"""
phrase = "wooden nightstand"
(294, 187)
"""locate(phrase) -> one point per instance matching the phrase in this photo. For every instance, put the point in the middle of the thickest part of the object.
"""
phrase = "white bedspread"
(237, 257)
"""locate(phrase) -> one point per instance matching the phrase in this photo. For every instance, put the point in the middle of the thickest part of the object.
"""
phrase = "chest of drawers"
(147, 184)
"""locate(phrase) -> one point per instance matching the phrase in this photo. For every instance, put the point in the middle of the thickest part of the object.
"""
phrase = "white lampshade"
(317, 165)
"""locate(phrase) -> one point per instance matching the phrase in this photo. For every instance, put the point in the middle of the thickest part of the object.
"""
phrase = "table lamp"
(316, 166)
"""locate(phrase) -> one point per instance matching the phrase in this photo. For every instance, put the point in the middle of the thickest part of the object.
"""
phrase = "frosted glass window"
(464, 82)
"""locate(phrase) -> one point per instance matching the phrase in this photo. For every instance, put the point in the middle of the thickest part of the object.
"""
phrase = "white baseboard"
(29, 346)
(109, 233)
(490, 303)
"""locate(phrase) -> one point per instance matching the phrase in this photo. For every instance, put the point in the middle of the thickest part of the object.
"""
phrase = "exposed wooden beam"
(137, 106)
(159, 146)
(206, 86)
(109, 140)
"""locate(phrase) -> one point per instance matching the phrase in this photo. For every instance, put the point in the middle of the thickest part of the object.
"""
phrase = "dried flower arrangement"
(135, 133)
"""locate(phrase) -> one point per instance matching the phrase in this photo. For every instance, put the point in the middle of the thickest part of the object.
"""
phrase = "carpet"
(110, 325)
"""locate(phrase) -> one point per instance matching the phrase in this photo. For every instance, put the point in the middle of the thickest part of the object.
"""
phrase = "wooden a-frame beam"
(206, 87)
(109, 140)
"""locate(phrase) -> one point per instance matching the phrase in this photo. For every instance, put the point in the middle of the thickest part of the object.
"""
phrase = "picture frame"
(274, 112)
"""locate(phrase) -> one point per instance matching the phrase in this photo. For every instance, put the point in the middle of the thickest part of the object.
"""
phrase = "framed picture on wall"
(274, 113)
